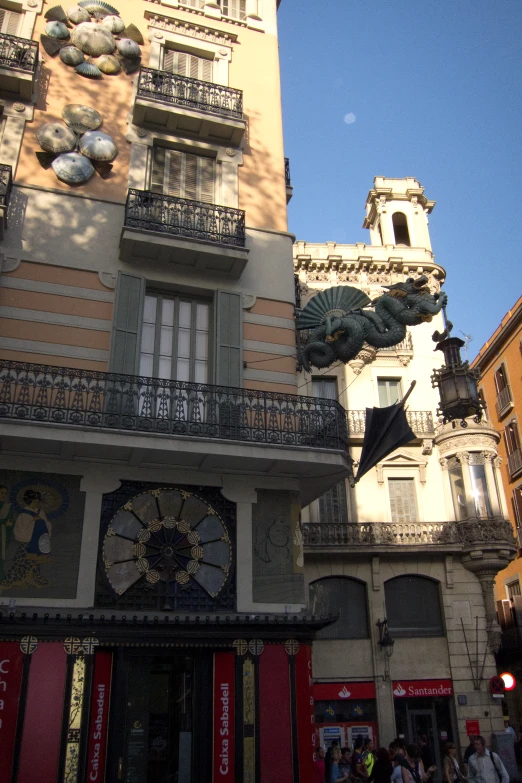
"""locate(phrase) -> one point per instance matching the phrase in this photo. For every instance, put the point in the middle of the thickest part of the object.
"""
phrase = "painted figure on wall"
(41, 520)
(32, 530)
(7, 520)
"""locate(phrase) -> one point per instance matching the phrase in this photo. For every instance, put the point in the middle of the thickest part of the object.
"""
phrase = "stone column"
(491, 485)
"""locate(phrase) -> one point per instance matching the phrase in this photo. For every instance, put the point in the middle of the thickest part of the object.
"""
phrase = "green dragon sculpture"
(341, 326)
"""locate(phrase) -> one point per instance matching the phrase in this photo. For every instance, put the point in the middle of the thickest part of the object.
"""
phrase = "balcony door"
(175, 338)
(185, 64)
(184, 175)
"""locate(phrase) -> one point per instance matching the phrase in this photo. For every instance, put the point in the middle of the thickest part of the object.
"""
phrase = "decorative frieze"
(201, 32)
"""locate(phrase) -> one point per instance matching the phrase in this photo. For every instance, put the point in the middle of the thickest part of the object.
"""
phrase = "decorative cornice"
(193, 30)
(475, 437)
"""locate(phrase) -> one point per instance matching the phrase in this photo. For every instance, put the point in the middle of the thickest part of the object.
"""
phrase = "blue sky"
(435, 90)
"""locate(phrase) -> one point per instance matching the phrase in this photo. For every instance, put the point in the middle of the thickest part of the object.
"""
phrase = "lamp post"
(385, 641)
(456, 382)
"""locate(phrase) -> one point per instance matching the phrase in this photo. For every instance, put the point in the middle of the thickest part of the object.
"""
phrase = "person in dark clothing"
(382, 768)
(345, 762)
(470, 750)
(358, 766)
(425, 752)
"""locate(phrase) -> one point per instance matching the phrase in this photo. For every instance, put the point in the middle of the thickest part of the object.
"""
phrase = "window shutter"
(206, 180)
(10, 22)
(517, 505)
(175, 168)
(191, 177)
(168, 60)
(158, 169)
(228, 339)
(194, 67)
(128, 309)
(206, 70)
(402, 501)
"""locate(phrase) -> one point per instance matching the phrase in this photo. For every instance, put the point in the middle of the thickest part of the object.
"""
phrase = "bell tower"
(397, 213)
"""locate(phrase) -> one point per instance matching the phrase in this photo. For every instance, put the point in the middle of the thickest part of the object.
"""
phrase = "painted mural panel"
(41, 521)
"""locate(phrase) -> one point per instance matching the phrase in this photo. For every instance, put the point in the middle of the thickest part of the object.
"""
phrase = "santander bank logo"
(344, 693)
(399, 690)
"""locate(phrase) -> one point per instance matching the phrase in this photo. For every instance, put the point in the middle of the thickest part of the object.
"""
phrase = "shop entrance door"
(161, 719)
(423, 723)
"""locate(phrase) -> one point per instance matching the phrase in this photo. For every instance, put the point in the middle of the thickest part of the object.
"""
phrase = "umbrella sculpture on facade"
(76, 149)
(96, 30)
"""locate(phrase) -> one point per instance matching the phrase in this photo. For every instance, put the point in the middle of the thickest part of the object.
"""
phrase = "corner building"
(419, 540)
(155, 452)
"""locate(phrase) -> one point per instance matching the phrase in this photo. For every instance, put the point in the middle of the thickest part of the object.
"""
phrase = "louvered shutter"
(10, 22)
(332, 505)
(175, 173)
(236, 9)
(402, 501)
(191, 177)
(127, 324)
(228, 339)
(185, 64)
(517, 505)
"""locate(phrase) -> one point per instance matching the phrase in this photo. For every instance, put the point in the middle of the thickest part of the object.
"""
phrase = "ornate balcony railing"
(288, 181)
(18, 53)
(405, 345)
(466, 534)
(504, 400)
(515, 462)
(421, 422)
(184, 218)
(84, 398)
(6, 183)
(377, 533)
(179, 90)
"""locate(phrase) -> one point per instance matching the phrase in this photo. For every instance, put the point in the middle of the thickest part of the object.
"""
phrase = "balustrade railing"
(6, 183)
(183, 217)
(172, 88)
(404, 345)
(378, 533)
(421, 422)
(18, 53)
(84, 398)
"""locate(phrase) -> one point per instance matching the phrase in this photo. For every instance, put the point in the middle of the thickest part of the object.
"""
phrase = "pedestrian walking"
(412, 767)
(382, 769)
(485, 766)
(336, 776)
(451, 772)
(358, 766)
(345, 763)
(368, 755)
(320, 772)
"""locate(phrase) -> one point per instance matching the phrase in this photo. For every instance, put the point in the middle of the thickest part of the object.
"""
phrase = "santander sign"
(418, 688)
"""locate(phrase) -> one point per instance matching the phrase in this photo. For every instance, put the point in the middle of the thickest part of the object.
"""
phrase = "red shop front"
(343, 711)
(93, 708)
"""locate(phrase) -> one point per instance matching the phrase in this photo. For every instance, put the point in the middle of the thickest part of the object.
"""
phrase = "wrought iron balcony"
(515, 462)
(421, 422)
(90, 399)
(287, 173)
(172, 88)
(184, 218)
(18, 53)
(504, 401)
(6, 183)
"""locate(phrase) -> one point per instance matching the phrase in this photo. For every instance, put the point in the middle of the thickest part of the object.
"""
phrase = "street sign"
(472, 728)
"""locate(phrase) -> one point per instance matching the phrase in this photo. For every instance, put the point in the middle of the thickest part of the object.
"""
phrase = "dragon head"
(412, 301)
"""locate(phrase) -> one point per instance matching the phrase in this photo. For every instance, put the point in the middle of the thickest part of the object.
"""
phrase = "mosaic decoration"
(292, 646)
(87, 34)
(167, 537)
(72, 748)
(28, 644)
(76, 149)
(41, 520)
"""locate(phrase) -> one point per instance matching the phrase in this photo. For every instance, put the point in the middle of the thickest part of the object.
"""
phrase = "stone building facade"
(155, 452)
(499, 362)
(419, 540)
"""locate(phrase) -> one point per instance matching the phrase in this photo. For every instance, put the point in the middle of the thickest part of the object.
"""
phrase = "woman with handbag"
(451, 772)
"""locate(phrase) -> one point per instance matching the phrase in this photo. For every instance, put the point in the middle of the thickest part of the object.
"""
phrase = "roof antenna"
(467, 339)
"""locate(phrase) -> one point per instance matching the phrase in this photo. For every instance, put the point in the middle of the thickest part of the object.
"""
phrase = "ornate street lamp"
(457, 383)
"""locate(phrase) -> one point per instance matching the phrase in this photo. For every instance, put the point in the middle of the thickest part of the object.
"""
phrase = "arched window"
(413, 606)
(343, 596)
(400, 229)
